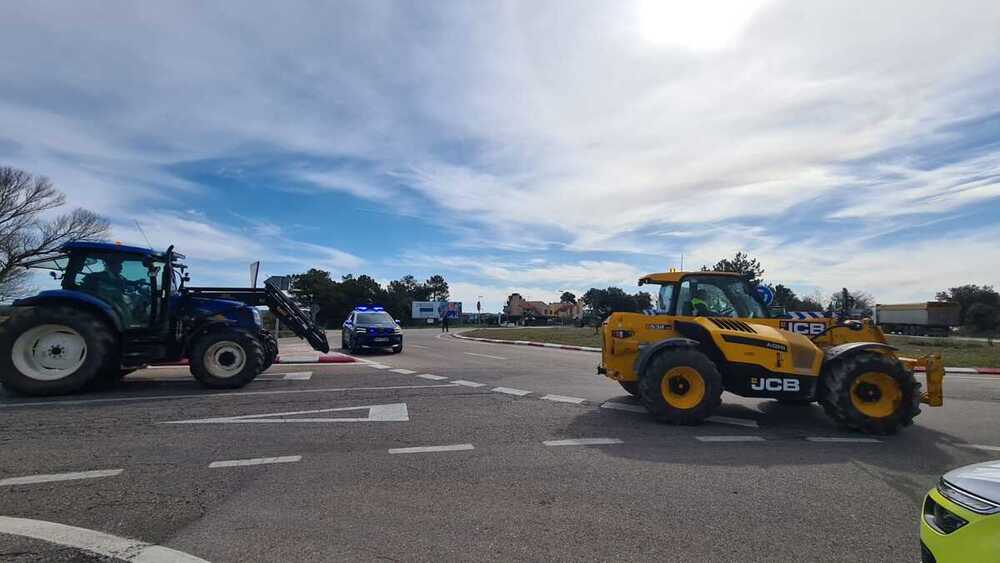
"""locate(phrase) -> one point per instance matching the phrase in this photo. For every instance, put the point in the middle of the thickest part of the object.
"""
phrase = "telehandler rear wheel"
(870, 392)
(681, 386)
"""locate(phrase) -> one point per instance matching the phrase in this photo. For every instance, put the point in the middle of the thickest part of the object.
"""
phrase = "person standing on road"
(444, 323)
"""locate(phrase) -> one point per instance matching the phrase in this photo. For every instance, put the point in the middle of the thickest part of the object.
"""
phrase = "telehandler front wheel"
(681, 386)
(226, 359)
(870, 392)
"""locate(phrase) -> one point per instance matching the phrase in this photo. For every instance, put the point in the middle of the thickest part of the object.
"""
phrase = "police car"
(371, 327)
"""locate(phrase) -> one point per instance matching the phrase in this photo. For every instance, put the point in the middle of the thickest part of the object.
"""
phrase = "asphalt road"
(184, 468)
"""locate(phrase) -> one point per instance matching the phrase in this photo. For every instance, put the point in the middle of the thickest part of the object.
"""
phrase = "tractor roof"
(670, 277)
(110, 247)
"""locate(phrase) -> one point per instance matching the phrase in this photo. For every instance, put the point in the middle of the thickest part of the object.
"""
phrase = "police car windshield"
(374, 318)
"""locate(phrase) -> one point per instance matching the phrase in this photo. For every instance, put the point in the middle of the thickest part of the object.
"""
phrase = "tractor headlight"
(257, 318)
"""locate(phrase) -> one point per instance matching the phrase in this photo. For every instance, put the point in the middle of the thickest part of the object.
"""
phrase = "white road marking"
(563, 399)
(511, 391)
(748, 422)
(395, 412)
(980, 447)
(403, 371)
(432, 377)
(255, 461)
(359, 362)
(218, 395)
(623, 407)
(729, 438)
(93, 541)
(299, 376)
(583, 442)
(417, 346)
(32, 479)
(465, 383)
(379, 366)
(425, 449)
(483, 355)
(839, 439)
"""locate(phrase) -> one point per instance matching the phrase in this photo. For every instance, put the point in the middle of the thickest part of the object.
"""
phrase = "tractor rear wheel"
(270, 350)
(54, 350)
(681, 386)
(870, 392)
(226, 359)
(631, 386)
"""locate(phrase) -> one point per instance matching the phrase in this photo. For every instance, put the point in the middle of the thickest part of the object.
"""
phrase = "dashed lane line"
(623, 407)
(219, 395)
(379, 366)
(843, 439)
(484, 356)
(430, 449)
(92, 541)
(583, 442)
(511, 391)
(417, 346)
(53, 477)
(298, 376)
(403, 371)
(729, 438)
(432, 377)
(465, 383)
(563, 399)
(255, 461)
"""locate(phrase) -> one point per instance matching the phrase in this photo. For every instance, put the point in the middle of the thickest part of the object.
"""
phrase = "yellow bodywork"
(780, 346)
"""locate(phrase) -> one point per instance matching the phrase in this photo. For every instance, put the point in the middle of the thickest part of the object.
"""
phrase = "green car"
(961, 516)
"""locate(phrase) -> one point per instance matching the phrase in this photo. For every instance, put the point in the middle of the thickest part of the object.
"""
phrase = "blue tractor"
(121, 308)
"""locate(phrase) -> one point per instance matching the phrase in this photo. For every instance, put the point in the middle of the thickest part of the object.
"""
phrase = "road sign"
(395, 412)
(765, 293)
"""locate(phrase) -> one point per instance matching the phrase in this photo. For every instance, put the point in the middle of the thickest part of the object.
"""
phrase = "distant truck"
(933, 318)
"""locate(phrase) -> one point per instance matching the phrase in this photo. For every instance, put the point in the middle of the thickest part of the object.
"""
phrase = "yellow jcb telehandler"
(710, 331)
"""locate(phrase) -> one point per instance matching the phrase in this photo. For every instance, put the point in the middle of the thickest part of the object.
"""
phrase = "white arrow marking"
(395, 412)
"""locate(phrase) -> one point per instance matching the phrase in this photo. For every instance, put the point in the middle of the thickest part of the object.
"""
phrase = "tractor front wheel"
(226, 359)
(681, 386)
(870, 392)
(54, 350)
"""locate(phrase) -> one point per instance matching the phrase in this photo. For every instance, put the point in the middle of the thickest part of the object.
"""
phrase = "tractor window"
(718, 296)
(121, 281)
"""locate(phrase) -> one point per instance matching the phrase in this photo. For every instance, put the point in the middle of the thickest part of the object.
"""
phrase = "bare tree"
(26, 233)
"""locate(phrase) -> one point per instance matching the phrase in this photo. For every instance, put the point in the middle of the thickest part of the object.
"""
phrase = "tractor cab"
(708, 294)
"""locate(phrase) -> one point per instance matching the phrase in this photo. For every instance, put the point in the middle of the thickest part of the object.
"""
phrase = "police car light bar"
(371, 308)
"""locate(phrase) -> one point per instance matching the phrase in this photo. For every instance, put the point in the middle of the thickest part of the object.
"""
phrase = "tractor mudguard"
(853, 348)
(646, 353)
(73, 298)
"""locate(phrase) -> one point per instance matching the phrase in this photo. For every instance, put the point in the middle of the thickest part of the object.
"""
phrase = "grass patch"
(572, 336)
(956, 353)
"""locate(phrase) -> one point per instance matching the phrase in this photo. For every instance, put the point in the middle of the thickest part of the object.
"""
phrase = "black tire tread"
(652, 399)
(835, 393)
(631, 387)
(102, 348)
(251, 346)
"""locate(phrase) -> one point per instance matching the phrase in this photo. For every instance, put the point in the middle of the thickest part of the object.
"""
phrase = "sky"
(524, 146)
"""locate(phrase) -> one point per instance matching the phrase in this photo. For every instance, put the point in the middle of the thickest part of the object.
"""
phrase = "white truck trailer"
(933, 318)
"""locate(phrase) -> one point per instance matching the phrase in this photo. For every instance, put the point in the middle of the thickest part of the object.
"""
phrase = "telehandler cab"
(710, 331)
(122, 307)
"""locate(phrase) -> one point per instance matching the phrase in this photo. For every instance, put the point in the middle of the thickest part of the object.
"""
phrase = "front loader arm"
(934, 368)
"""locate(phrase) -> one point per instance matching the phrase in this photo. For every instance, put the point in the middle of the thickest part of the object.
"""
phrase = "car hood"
(980, 479)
